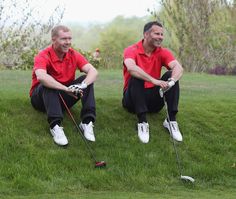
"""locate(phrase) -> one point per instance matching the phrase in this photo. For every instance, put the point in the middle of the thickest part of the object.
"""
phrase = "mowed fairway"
(32, 166)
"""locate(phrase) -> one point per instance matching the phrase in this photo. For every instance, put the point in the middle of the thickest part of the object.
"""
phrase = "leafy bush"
(201, 33)
(218, 70)
(22, 31)
(27, 59)
(97, 63)
(119, 34)
(233, 71)
(222, 70)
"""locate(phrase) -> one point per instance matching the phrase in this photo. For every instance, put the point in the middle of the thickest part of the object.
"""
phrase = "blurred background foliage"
(23, 31)
(200, 33)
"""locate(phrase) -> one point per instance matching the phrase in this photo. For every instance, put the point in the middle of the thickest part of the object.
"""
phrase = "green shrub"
(20, 36)
(97, 63)
(27, 59)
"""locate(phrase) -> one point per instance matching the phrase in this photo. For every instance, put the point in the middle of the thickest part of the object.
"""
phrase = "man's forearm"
(177, 73)
(50, 82)
(91, 76)
(139, 73)
(177, 70)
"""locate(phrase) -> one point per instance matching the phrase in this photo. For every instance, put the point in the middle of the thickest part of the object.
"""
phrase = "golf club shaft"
(175, 148)
(80, 131)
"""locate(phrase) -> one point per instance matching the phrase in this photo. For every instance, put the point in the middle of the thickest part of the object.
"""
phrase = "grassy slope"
(32, 165)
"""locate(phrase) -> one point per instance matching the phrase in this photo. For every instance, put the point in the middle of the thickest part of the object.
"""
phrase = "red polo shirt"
(151, 65)
(62, 71)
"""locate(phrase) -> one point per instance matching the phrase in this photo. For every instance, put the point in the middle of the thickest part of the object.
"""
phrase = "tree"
(117, 35)
(202, 31)
(23, 32)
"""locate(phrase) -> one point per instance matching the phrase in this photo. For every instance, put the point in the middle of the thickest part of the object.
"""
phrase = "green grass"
(32, 166)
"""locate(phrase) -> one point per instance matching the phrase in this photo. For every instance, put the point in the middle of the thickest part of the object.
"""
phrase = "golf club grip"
(162, 91)
(171, 83)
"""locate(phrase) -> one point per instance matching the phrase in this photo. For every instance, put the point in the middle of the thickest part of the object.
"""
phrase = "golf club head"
(187, 178)
(100, 164)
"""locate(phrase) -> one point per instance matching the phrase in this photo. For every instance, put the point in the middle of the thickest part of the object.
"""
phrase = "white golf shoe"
(175, 130)
(88, 131)
(58, 135)
(143, 132)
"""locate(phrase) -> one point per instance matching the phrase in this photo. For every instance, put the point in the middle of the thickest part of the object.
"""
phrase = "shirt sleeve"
(167, 57)
(40, 61)
(129, 53)
(80, 60)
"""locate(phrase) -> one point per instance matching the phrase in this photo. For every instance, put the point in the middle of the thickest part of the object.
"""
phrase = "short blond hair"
(56, 29)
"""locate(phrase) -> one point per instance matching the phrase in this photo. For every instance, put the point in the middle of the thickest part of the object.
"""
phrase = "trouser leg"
(139, 100)
(134, 99)
(172, 97)
(88, 109)
(134, 96)
(88, 101)
(48, 100)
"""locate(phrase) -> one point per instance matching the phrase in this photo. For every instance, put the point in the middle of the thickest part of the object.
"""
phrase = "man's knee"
(136, 82)
(166, 75)
(79, 79)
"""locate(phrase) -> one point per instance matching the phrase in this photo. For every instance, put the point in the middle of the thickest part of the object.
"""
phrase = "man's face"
(62, 42)
(155, 36)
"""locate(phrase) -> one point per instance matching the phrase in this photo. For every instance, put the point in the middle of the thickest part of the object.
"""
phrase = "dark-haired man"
(142, 66)
(53, 74)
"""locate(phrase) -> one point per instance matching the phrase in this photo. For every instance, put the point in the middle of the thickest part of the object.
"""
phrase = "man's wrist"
(83, 84)
(171, 79)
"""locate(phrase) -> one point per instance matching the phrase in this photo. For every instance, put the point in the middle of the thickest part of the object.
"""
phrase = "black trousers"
(138, 100)
(47, 100)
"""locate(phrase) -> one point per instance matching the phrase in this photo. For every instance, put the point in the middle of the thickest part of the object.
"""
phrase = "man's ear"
(145, 34)
(53, 39)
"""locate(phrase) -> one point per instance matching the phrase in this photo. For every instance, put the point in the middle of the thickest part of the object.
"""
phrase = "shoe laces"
(174, 126)
(89, 127)
(59, 133)
(144, 127)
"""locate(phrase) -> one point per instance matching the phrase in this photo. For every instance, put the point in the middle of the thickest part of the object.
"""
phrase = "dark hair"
(56, 29)
(149, 25)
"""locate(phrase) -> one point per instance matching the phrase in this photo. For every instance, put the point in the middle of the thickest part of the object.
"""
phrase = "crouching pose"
(142, 66)
(54, 75)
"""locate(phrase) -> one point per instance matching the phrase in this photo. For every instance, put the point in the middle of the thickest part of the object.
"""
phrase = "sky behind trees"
(93, 11)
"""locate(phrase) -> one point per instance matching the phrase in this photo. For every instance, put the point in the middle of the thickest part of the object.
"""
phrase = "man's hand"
(170, 82)
(78, 88)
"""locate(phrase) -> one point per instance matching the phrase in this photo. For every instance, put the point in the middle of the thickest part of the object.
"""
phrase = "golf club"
(185, 178)
(98, 164)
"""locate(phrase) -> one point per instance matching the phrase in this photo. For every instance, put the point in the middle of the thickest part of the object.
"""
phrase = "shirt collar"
(141, 49)
(54, 55)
